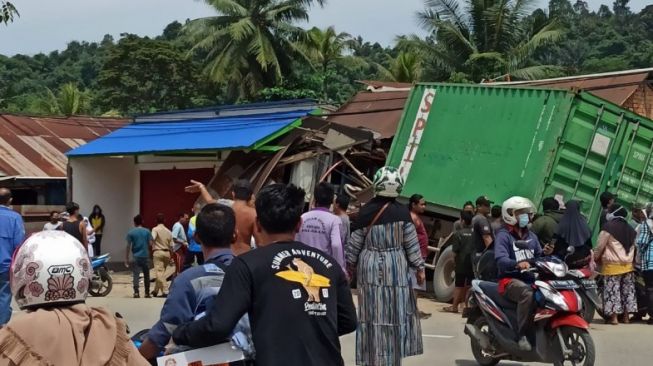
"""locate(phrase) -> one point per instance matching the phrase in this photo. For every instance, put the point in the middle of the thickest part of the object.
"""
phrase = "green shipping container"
(457, 142)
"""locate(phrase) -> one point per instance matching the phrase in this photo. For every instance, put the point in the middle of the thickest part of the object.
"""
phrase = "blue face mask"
(524, 219)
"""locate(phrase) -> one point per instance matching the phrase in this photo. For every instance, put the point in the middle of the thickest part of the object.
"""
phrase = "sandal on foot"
(449, 309)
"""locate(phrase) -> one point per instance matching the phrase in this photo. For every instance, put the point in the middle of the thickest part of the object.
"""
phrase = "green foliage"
(324, 49)
(68, 101)
(141, 75)
(249, 45)
(485, 39)
(7, 12)
(405, 68)
(255, 51)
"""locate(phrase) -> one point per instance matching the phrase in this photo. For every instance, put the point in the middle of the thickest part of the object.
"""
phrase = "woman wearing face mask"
(615, 253)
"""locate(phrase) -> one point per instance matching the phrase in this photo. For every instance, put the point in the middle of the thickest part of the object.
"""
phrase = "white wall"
(114, 184)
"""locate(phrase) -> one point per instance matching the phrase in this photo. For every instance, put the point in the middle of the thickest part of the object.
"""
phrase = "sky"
(46, 25)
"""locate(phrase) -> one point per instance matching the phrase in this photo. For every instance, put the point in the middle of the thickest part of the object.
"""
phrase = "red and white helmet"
(50, 268)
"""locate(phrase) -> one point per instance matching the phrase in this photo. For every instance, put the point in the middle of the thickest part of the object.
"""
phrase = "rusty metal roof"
(376, 111)
(35, 147)
(615, 87)
(375, 85)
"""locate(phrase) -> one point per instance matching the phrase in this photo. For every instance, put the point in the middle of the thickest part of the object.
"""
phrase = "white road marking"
(440, 336)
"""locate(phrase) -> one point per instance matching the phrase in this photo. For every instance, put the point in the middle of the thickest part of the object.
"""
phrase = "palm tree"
(405, 68)
(484, 38)
(324, 48)
(68, 101)
(250, 43)
(7, 12)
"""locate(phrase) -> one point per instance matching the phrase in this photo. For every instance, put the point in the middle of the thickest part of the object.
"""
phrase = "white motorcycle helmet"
(50, 268)
(388, 182)
(513, 204)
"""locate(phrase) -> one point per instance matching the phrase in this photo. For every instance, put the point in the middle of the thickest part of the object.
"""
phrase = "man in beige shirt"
(161, 249)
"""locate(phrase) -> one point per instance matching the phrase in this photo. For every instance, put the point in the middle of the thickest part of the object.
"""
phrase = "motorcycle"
(101, 283)
(588, 290)
(559, 333)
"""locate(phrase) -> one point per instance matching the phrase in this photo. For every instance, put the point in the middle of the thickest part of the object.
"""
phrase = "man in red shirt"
(417, 206)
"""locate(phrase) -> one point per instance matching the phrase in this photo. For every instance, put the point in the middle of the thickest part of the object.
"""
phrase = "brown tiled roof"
(36, 146)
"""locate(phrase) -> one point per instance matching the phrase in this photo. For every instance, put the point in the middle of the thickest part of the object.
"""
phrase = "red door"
(162, 191)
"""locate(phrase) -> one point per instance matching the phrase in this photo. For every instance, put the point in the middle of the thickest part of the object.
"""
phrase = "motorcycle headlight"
(555, 297)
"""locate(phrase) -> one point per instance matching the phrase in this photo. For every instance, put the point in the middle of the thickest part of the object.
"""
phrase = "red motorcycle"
(559, 334)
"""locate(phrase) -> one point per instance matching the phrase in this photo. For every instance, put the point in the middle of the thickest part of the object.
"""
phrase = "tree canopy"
(256, 51)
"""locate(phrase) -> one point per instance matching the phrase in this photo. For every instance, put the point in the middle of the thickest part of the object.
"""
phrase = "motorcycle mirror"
(522, 244)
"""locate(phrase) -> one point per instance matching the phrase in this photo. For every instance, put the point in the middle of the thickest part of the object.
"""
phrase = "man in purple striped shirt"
(320, 228)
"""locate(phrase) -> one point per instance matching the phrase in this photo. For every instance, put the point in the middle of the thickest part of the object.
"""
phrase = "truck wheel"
(444, 275)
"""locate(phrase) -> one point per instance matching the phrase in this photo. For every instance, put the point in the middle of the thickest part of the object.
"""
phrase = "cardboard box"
(217, 355)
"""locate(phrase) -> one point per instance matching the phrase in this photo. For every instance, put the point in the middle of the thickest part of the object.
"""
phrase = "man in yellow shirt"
(161, 249)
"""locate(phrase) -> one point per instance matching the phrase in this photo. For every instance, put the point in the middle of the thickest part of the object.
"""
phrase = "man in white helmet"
(514, 284)
(51, 273)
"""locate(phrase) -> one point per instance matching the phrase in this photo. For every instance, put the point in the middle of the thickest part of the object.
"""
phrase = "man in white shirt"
(55, 222)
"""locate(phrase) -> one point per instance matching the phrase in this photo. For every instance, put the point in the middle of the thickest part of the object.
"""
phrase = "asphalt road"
(444, 341)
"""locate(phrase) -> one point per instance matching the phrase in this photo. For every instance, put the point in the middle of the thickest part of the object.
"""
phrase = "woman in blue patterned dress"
(382, 249)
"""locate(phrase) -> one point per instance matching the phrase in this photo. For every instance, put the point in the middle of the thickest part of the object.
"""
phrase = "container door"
(634, 183)
(585, 156)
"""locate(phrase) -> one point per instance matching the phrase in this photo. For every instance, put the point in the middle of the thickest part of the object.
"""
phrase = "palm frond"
(448, 10)
(454, 38)
(548, 35)
(288, 12)
(242, 29)
(228, 7)
(537, 72)
(261, 47)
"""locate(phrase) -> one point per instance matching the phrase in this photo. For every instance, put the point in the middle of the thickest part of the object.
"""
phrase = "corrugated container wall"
(457, 142)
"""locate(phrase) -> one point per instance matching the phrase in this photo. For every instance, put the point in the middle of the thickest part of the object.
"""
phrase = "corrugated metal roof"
(228, 110)
(227, 133)
(375, 111)
(615, 87)
(35, 147)
(375, 85)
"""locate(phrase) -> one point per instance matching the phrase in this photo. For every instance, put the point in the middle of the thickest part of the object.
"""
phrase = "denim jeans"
(141, 264)
(5, 298)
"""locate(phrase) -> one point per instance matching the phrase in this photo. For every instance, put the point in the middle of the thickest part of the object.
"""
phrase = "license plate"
(589, 284)
(563, 285)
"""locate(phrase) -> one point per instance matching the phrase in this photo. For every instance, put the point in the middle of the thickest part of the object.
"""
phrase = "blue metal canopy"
(227, 133)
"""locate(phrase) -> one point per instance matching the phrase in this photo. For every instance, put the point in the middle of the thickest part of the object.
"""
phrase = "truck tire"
(444, 275)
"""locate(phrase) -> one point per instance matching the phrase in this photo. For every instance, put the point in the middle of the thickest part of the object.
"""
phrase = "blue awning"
(227, 133)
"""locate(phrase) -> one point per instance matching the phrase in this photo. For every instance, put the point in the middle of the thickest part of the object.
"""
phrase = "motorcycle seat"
(491, 289)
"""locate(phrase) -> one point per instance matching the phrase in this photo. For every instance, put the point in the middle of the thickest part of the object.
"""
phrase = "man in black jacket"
(297, 297)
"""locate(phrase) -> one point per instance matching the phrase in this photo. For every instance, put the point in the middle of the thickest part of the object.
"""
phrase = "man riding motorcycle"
(514, 284)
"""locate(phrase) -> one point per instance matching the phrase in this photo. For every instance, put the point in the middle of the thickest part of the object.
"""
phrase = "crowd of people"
(87, 229)
(276, 279)
(484, 248)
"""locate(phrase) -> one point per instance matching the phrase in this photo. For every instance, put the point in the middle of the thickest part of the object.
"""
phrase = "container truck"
(457, 142)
